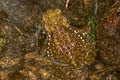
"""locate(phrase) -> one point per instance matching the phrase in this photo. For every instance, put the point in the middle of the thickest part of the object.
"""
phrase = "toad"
(67, 44)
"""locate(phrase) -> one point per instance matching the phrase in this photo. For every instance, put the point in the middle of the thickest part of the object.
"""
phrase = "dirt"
(23, 55)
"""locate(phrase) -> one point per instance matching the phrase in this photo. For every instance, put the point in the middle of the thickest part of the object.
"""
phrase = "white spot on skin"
(48, 43)
(48, 48)
(75, 31)
(69, 53)
(48, 52)
(48, 55)
(78, 35)
(49, 36)
(85, 33)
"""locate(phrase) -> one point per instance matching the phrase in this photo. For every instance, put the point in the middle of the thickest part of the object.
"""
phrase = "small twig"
(19, 30)
(96, 7)
(66, 4)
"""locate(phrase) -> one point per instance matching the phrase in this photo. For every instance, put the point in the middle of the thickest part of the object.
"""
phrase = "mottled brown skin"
(67, 44)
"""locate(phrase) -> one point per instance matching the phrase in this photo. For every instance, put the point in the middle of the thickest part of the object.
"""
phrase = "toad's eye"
(58, 11)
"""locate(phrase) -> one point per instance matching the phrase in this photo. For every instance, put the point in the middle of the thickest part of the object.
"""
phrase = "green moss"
(92, 27)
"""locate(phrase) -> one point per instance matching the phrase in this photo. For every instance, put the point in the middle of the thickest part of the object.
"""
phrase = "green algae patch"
(92, 27)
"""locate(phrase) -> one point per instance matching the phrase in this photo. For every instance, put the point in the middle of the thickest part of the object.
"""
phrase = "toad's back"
(67, 44)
